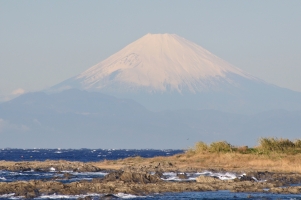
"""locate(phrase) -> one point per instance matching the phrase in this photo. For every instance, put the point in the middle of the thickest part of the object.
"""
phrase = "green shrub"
(221, 146)
(201, 147)
(266, 146)
(297, 143)
(241, 149)
(276, 145)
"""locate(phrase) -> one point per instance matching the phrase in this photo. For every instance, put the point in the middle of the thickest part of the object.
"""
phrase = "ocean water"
(82, 155)
(86, 155)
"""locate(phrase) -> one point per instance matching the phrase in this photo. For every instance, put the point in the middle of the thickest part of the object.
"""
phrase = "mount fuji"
(196, 96)
(168, 72)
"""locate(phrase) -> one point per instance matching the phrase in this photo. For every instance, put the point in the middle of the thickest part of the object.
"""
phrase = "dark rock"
(85, 198)
(113, 176)
(159, 174)
(246, 178)
(182, 176)
(30, 195)
(26, 169)
(108, 197)
(139, 177)
(67, 176)
(261, 175)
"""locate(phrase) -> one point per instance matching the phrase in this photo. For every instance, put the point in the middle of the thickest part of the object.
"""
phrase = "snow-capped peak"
(159, 62)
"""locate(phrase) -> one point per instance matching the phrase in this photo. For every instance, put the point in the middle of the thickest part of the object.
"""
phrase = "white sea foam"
(52, 169)
(172, 176)
(89, 173)
(56, 196)
(66, 171)
(9, 196)
(128, 196)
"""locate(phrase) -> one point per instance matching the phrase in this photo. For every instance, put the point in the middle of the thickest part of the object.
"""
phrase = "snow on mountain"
(158, 63)
(168, 72)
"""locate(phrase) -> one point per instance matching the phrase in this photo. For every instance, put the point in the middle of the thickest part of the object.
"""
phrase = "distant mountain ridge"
(77, 119)
(168, 72)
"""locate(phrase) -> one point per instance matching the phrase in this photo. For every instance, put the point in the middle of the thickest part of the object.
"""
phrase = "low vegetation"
(271, 154)
(265, 146)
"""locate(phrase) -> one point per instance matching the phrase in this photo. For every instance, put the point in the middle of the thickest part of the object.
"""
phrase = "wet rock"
(85, 198)
(159, 174)
(141, 183)
(132, 177)
(108, 197)
(32, 189)
(246, 178)
(67, 176)
(260, 176)
(139, 177)
(26, 169)
(182, 176)
(113, 176)
(31, 195)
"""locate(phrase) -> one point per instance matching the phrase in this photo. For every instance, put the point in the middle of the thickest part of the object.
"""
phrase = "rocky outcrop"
(132, 177)
(273, 177)
(136, 179)
(139, 184)
(47, 165)
(182, 176)
(208, 179)
(155, 166)
(33, 189)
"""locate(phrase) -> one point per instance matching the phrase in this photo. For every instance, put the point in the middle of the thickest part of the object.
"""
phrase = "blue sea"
(88, 155)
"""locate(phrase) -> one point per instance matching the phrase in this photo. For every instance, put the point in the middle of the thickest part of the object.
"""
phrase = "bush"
(297, 143)
(201, 147)
(242, 149)
(221, 146)
(266, 145)
(276, 145)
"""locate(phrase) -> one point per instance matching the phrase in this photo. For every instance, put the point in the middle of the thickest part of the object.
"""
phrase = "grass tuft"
(221, 146)
(265, 146)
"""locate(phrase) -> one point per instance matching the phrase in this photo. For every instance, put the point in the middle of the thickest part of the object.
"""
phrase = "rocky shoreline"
(141, 180)
(60, 165)
(142, 184)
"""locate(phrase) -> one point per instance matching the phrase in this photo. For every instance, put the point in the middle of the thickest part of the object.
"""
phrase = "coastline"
(141, 176)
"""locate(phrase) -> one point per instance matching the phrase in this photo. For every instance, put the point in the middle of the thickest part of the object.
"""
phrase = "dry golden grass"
(226, 161)
(272, 154)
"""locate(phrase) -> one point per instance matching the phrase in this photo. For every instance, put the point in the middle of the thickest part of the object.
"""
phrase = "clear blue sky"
(45, 42)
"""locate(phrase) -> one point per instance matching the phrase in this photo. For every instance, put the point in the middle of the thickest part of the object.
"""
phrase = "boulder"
(113, 176)
(139, 177)
(182, 176)
(132, 177)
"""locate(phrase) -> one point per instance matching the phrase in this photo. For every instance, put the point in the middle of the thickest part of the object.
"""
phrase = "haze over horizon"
(44, 43)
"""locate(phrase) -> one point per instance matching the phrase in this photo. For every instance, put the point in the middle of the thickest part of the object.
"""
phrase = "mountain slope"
(165, 71)
(158, 63)
(77, 119)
